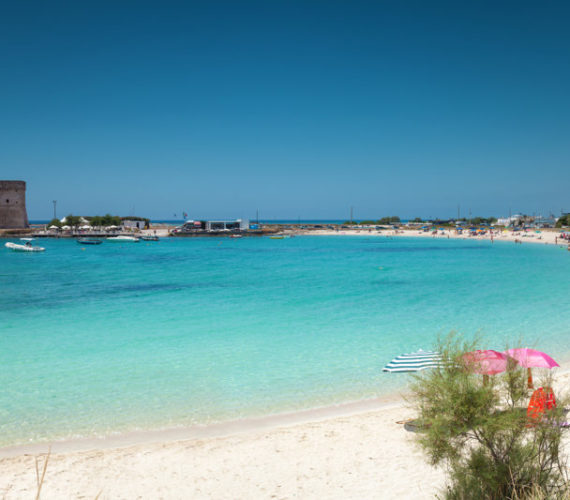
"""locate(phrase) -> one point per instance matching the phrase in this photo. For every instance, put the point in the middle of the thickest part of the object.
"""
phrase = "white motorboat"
(123, 239)
(23, 248)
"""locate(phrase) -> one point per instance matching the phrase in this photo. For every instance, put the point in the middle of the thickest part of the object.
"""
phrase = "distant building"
(13, 213)
(133, 224)
(192, 226)
(540, 221)
(509, 221)
(227, 225)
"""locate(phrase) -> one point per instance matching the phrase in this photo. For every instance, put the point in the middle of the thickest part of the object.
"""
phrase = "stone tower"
(13, 213)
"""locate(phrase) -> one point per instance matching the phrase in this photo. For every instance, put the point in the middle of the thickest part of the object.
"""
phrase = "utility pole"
(54, 206)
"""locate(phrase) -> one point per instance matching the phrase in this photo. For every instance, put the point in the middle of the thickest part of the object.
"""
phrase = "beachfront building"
(134, 223)
(513, 220)
(227, 225)
(193, 226)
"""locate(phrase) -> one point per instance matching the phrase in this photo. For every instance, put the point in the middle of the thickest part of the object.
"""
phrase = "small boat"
(150, 238)
(89, 241)
(23, 248)
(123, 239)
(236, 236)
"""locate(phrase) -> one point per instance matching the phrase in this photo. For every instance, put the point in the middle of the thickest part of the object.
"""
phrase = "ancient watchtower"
(13, 213)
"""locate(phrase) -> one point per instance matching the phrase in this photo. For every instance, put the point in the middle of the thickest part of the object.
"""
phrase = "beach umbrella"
(414, 361)
(53, 227)
(66, 227)
(486, 362)
(531, 358)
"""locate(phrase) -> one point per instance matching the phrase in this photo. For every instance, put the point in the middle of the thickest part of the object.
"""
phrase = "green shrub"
(481, 434)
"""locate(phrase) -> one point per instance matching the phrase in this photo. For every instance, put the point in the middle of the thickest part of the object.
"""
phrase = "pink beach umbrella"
(486, 362)
(531, 358)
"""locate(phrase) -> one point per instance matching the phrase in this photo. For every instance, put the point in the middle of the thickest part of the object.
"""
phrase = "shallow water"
(117, 337)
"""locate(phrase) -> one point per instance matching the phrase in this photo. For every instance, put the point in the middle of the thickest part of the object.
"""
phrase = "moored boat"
(23, 248)
(149, 238)
(123, 239)
(89, 241)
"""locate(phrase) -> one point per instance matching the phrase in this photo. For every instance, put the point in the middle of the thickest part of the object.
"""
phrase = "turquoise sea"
(118, 337)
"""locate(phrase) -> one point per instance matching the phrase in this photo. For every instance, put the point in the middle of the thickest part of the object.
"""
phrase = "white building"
(133, 224)
(227, 225)
(507, 221)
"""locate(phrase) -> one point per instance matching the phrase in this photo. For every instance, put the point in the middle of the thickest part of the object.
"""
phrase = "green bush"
(72, 220)
(481, 434)
(105, 220)
(389, 220)
(55, 222)
(563, 221)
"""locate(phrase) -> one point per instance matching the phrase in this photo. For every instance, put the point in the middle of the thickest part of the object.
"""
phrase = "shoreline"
(546, 237)
(317, 454)
(214, 430)
(392, 400)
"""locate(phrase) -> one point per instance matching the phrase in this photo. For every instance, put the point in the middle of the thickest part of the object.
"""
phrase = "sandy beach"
(546, 237)
(362, 454)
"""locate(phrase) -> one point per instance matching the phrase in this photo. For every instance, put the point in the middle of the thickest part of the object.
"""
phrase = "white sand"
(363, 455)
(359, 456)
(547, 236)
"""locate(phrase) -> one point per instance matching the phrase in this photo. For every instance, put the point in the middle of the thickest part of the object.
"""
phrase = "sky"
(298, 109)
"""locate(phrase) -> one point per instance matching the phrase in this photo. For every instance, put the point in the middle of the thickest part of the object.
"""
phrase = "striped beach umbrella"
(414, 362)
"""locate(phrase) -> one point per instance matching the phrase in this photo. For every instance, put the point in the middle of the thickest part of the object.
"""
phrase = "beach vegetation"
(141, 219)
(477, 221)
(40, 476)
(105, 220)
(479, 431)
(389, 220)
(417, 220)
(563, 221)
(55, 222)
(73, 220)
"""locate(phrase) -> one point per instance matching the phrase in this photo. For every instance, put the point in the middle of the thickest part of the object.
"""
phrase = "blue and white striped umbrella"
(414, 362)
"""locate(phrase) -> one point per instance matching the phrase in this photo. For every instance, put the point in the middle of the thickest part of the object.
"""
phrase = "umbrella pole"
(530, 383)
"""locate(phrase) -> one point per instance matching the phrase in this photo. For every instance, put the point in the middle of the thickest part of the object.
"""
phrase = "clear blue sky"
(298, 108)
